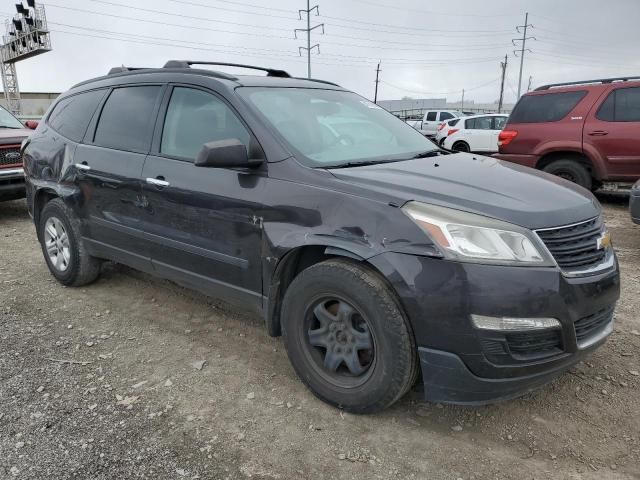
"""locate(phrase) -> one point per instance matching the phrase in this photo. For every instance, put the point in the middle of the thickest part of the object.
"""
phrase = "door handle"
(83, 166)
(598, 133)
(158, 182)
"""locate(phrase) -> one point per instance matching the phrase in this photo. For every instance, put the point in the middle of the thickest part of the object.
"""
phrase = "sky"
(426, 49)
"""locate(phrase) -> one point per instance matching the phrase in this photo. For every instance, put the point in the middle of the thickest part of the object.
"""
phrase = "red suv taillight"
(441, 126)
(505, 137)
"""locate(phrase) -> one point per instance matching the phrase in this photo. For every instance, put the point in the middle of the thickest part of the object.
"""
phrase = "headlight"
(475, 238)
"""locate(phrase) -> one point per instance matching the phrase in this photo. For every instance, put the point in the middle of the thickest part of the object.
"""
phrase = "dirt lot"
(107, 381)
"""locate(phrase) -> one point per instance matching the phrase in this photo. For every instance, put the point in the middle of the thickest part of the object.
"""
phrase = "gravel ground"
(134, 377)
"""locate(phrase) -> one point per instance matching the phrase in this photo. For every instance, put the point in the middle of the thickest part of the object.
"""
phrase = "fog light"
(510, 323)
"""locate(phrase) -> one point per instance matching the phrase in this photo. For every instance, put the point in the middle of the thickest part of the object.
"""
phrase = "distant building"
(407, 106)
(34, 104)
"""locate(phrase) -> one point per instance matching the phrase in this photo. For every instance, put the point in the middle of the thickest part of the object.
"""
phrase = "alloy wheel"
(56, 243)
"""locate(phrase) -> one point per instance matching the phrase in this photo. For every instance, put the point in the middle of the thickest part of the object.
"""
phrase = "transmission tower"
(523, 46)
(308, 30)
(26, 35)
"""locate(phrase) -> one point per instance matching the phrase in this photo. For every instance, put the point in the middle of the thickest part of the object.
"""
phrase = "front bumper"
(461, 364)
(634, 203)
(12, 184)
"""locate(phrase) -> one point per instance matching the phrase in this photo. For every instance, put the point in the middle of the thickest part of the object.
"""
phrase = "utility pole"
(462, 105)
(308, 30)
(529, 86)
(522, 49)
(503, 65)
(375, 96)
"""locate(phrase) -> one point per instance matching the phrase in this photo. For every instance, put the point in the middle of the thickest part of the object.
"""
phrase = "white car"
(431, 119)
(445, 129)
(478, 133)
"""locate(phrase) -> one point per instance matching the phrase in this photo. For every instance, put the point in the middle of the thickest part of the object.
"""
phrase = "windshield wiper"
(429, 153)
(7, 126)
(361, 164)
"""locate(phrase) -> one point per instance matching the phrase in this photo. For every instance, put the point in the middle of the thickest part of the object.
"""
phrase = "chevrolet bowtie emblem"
(604, 241)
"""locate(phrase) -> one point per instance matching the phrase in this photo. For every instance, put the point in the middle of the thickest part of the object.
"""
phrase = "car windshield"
(332, 128)
(8, 121)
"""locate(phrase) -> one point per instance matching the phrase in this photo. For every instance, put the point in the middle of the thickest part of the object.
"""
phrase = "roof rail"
(123, 69)
(271, 72)
(584, 82)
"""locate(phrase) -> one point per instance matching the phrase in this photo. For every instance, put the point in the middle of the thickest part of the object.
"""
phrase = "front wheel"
(347, 337)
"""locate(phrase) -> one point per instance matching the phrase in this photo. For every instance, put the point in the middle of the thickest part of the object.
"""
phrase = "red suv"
(587, 132)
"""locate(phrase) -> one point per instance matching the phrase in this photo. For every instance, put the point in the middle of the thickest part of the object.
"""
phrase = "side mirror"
(225, 153)
(32, 124)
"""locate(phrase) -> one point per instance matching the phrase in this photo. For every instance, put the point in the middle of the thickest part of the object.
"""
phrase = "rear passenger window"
(622, 105)
(431, 116)
(445, 116)
(480, 123)
(71, 116)
(548, 107)
(194, 118)
(498, 122)
(127, 119)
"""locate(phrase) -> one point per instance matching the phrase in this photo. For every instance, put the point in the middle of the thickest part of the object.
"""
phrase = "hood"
(481, 185)
(13, 135)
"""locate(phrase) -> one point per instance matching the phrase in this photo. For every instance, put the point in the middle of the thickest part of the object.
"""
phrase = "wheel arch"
(295, 261)
(578, 156)
(41, 197)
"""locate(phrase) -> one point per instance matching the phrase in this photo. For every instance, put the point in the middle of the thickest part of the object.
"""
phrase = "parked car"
(12, 133)
(444, 129)
(431, 119)
(478, 133)
(634, 203)
(587, 132)
(377, 261)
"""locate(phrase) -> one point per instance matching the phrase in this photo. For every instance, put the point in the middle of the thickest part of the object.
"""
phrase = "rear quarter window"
(71, 116)
(548, 107)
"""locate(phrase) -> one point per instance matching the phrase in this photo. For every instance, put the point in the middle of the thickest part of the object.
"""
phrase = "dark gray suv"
(379, 258)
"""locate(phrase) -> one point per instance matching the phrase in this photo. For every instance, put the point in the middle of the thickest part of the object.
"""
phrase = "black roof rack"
(271, 72)
(123, 69)
(584, 82)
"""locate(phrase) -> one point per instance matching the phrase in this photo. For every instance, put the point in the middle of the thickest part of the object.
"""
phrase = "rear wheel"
(347, 338)
(461, 147)
(571, 170)
(62, 246)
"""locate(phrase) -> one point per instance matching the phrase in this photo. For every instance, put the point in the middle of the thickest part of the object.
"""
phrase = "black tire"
(80, 268)
(461, 147)
(571, 170)
(392, 364)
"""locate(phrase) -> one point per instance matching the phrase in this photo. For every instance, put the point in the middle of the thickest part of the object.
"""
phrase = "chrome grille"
(8, 156)
(575, 246)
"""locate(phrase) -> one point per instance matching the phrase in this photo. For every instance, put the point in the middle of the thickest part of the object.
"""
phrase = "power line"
(151, 10)
(242, 4)
(438, 93)
(430, 12)
(308, 31)
(169, 24)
